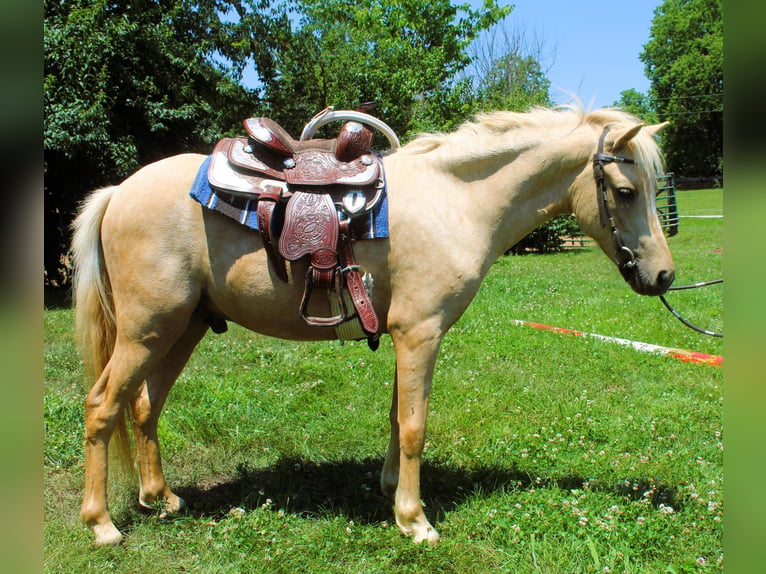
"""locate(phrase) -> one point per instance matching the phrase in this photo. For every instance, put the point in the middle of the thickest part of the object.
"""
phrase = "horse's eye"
(626, 192)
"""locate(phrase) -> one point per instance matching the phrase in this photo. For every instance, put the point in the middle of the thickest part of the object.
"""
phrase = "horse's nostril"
(665, 279)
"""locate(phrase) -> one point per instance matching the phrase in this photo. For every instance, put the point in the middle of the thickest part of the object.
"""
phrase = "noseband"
(626, 259)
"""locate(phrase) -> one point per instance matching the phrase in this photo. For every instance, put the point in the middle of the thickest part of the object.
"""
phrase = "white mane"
(538, 125)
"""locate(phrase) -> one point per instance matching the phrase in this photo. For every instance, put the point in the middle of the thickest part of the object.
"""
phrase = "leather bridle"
(626, 259)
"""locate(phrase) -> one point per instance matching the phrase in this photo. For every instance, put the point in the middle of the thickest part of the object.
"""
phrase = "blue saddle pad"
(243, 209)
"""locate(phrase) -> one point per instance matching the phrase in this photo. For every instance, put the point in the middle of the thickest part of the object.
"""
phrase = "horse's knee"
(412, 440)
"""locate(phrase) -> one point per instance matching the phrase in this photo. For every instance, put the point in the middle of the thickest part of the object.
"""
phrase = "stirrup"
(323, 321)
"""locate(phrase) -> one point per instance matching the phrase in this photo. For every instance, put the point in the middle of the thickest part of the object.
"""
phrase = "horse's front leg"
(416, 353)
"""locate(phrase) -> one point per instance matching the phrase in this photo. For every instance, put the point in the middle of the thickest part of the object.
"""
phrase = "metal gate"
(667, 206)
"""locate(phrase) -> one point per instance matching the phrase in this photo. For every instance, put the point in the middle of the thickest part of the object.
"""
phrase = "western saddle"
(308, 194)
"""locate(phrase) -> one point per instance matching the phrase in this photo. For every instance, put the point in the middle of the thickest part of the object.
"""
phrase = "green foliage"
(397, 53)
(548, 238)
(127, 83)
(638, 104)
(545, 452)
(445, 108)
(504, 79)
(684, 62)
(514, 82)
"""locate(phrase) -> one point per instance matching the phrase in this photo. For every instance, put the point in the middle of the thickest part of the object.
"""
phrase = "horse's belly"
(244, 288)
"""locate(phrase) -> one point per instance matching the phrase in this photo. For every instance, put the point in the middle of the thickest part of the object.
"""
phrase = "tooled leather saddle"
(308, 194)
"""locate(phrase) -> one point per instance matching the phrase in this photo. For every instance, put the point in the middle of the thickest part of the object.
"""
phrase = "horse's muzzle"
(643, 284)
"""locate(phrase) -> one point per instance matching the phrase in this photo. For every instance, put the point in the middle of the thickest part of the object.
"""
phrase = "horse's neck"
(523, 191)
(483, 206)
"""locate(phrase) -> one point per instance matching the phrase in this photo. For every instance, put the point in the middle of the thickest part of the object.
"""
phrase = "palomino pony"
(153, 266)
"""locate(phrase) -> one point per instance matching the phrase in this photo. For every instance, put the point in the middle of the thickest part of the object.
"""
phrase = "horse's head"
(614, 202)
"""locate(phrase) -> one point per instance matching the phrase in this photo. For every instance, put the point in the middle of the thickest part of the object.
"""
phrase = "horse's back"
(167, 255)
(147, 210)
(149, 193)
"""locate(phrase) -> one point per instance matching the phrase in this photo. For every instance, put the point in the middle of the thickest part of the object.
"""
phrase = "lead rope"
(684, 321)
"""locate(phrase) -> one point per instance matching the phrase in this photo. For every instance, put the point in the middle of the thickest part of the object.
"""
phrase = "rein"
(684, 321)
(626, 259)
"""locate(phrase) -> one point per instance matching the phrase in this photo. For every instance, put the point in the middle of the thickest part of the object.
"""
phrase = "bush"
(548, 238)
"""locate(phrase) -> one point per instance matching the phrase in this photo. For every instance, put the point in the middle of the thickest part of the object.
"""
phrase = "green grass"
(700, 202)
(546, 453)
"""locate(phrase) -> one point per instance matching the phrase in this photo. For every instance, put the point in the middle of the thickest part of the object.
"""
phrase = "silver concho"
(354, 202)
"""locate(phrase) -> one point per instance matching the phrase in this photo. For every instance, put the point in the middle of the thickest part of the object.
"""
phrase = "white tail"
(95, 326)
(94, 308)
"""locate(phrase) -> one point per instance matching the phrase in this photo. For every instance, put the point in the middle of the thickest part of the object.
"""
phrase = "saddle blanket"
(244, 210)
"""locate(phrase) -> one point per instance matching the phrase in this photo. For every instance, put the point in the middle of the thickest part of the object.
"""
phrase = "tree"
(126, 83)
(515, 83)
(684, 63)
(638, 104)
(508, 70)
(399, 53)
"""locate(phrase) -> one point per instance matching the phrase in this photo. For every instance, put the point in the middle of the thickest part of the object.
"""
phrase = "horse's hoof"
(172, 507)
(419, 532)
(428, 535)
(107, 534)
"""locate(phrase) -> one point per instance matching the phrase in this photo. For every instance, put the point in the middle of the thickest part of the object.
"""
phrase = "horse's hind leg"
(118, 383)
(147, 407)
(389, 478)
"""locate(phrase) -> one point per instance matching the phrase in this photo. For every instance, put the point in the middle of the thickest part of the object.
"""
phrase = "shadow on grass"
(350, 489)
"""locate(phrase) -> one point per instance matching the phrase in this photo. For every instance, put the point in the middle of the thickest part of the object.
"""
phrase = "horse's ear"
(622, 138)
(655, 129)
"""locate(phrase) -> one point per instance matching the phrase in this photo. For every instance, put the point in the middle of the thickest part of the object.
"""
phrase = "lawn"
(546, 452)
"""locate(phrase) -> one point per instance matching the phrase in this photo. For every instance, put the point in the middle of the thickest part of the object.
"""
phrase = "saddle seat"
(308, 192)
